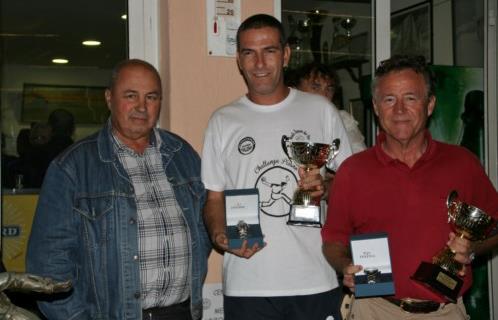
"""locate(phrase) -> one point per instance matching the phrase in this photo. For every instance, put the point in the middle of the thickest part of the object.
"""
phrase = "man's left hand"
(311, 181)
(463, 250)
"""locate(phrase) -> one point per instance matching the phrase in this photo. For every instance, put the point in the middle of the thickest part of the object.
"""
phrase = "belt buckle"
(405, 303)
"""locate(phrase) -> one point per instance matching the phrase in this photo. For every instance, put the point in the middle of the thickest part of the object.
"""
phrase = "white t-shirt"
(355, 136)
(242, 149)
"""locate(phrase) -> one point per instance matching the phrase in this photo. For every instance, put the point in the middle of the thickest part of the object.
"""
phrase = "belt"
(173, 312)
(415, 306)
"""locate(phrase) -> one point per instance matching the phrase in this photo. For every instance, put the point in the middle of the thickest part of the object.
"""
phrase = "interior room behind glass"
(337, 34)
(33, 34)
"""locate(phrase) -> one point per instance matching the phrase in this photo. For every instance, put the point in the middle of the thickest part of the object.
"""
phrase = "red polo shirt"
(374, 193)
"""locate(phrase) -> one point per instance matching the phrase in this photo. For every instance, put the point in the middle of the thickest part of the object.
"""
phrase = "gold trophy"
(469, 222)
(305, 211)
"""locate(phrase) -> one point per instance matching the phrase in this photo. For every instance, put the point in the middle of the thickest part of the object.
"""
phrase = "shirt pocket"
(96, 214)
(190, 194)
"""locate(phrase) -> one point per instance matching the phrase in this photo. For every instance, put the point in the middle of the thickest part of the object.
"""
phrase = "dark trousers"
(321, 306)
(180, 311)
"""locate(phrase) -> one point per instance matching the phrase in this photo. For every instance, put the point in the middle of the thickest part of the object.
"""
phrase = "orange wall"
(196, 84)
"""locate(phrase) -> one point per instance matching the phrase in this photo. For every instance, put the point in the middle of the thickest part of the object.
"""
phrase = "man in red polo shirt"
(400, 187)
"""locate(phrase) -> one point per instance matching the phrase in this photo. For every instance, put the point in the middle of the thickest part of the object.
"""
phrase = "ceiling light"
(91, 43)
(124, 17)
(60, 60)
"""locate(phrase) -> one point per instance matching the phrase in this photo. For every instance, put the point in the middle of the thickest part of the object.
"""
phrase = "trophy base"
(439, 280)
(307, 216)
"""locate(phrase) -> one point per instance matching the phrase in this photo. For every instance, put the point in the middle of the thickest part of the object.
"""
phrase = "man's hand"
(349, 273)
(463, 250)
(214, 217)
(327, 184)
(220, 241)
(311, 181)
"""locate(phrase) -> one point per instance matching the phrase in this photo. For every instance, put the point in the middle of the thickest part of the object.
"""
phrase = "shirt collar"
(384, 158)
(154, 140)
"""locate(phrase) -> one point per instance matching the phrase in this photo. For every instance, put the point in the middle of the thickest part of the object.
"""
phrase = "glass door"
(335, 37)
(56, 61)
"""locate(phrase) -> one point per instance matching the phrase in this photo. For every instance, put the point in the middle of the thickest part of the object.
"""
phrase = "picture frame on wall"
(468, 33)
(411, 30)
(86, 103)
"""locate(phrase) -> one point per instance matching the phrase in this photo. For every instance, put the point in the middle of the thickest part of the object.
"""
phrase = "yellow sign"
(17, 216)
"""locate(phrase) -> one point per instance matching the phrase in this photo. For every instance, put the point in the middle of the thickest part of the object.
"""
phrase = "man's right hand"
(220, 241)
(214, 217)
(349, 273)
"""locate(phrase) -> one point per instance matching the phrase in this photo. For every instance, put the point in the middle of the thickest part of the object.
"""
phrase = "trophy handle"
(284, 141)
(334, 150)
(451, 197)
(453, 205)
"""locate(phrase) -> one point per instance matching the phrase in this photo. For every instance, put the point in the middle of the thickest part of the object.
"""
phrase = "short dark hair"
(132, 62)
(258, 21)
(318, 70)
(402, 62)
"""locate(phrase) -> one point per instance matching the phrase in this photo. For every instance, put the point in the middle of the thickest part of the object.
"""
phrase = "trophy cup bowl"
(305, 210)
(468, 222)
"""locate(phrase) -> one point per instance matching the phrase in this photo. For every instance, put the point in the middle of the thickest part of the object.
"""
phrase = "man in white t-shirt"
(288, 278)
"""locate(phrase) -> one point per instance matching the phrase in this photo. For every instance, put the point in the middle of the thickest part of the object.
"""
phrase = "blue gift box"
(242, 206)
(369, 250)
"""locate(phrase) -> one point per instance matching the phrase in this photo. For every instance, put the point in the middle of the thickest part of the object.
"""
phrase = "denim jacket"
(85, 229)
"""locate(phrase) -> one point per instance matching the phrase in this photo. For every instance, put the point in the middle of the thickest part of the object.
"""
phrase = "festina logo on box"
(238, 205)
(367, 255)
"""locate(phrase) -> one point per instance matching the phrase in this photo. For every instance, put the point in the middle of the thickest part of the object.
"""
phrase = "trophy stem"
(308, 168)
(446, 260)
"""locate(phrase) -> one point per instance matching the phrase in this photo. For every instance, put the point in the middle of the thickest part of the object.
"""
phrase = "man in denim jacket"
(119, 215)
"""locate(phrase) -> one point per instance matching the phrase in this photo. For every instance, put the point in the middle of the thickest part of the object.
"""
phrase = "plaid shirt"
(164, 249)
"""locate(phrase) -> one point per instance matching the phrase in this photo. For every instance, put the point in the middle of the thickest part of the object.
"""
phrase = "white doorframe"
(491, 133)
(143, 30)
(381, 11)
(277, 9)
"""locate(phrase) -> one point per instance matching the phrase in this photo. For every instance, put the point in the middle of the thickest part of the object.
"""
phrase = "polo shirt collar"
(385, 159)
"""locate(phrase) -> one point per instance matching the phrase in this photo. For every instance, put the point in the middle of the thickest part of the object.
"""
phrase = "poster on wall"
(459, 105)
(411, 30)
(223, 20)
(85, 103)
